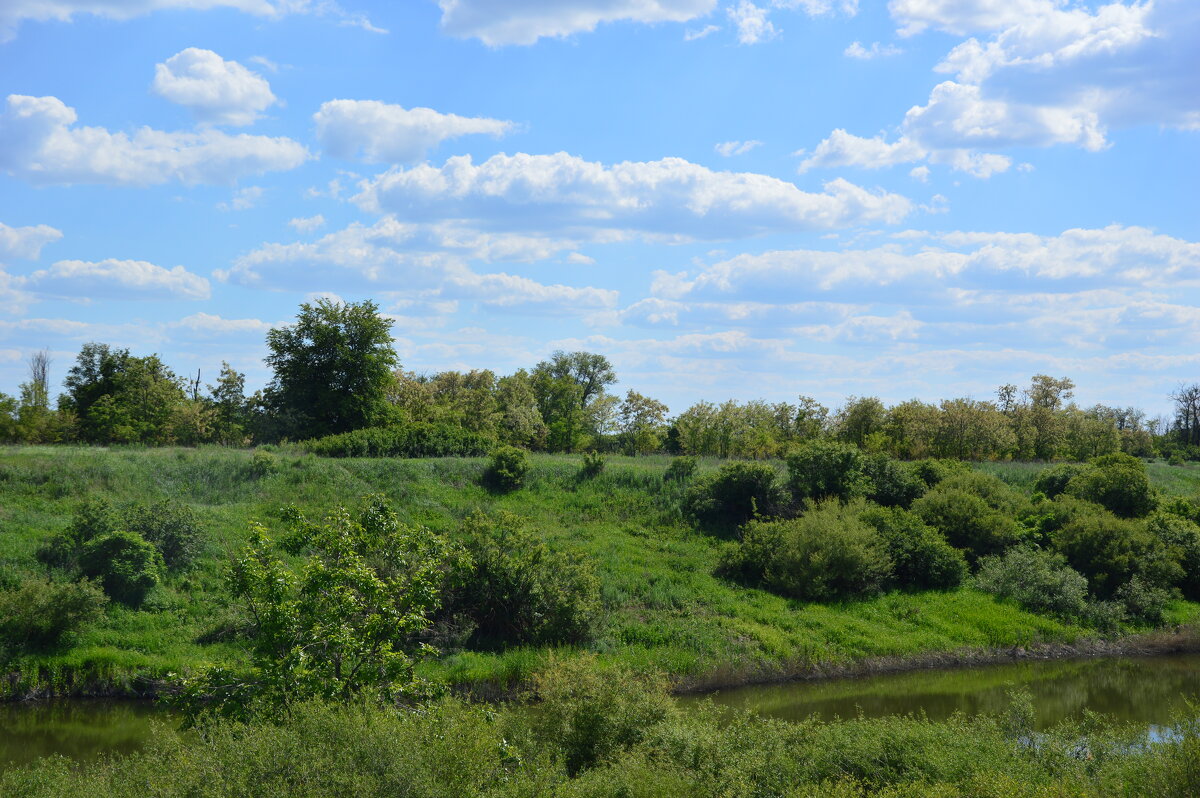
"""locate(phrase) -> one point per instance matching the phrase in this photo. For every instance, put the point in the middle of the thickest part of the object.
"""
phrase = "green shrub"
(827, 553)
(95, 517)
(592, 466)
(263, 464)
(592, 716)
(892, 483)
(507, 468)
(1182, 538)
(1053, 481)
(173, 527)
(411, 440)
(1039, 581)
(733, 494)
(514, 589)
(821, 469)
(933, 472)
(127, 565)
(920, 555)
(1117, 482)
(1110, 550)
(41, 612)
(681, 469)
(967, 521)
(1143, 602)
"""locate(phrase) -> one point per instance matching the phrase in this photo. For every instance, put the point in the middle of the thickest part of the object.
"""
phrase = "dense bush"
(507, 468)
(591, 717)
(173, 527)
(920, 555)
(126, 565)
(411, 440)
(40, 611)
(821, 469)
(967, 521)
(892, 483)
(1118, 482)
(1182, 538)
(827, 553)
(513, 589)
(681, 469)
(95, 517)
(733, 494)
(1053, 481)
(1110, 550)
(933, 472)
(1143, 602)
(1039, 581)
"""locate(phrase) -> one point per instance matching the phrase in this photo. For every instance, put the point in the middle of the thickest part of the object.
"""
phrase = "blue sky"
(731, 199)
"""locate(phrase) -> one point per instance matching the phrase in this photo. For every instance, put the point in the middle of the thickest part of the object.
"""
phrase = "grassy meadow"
(663, 607)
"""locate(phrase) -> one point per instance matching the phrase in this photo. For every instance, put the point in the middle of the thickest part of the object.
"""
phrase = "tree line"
(335, 371)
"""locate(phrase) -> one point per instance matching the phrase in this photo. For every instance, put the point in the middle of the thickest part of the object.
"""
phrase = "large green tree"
(333, 368)
(120, 398)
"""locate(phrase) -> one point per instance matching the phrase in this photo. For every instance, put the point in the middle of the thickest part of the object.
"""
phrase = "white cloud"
(562, 194)
(306, 224)
(40, 143)
(845, 149)
(514, 292)
(579, 259)
(876, 50)
(117, 279)
(216, 91)
(210, 325)
(919, 173)
(729, 149)
(525, 21)
(962, 17)
(265, 63)
(377, 131)
(700, 33)
(751, 22)
(13, 12)
(26, 242)
(243, 199)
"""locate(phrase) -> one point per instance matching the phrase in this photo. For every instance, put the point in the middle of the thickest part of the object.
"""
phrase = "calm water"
(1138, 689)
(81, 729)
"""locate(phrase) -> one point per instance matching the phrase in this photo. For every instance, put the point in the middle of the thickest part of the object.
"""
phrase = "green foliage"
(826, 554)
(1110, 550)
(41, 611)
(968, 521)
(592, 717)
(1053, 481)
(94, 517)
(507, 468)
(681, 469)
(733, 494)
(1118, 482)
(332, 369)
(344, 625)
(933, 472)
(119, 398)
(1143, 601)
(264, 464)
(409, 440)
(173, 527)
(514, 589)
(127, 565)
(921, 557)
(1038, 580)
(592, 466)
(822, 469)
(1182, 538)
(893, 483)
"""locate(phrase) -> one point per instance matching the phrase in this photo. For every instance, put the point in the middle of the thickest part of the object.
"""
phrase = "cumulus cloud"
(40, 143)
(13, 12)
(216, 91)
(243, 199)
(525, 21)
(1047, 74)
(565, 195)
(306, 224)
(211, 325)
(26, 242)
(751, 23)
(377, 131)
(117, 279)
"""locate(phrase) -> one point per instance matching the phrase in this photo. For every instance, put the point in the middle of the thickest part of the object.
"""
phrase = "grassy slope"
(664, 607)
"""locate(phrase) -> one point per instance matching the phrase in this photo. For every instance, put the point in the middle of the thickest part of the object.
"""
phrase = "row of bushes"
(411, 440)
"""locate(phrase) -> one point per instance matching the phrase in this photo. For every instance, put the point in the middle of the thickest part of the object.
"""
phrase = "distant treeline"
(336, 373)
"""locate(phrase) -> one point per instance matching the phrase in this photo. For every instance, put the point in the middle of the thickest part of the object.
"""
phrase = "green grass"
(663, 606)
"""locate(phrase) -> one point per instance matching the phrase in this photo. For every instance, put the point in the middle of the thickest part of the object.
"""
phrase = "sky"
(728, 198)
